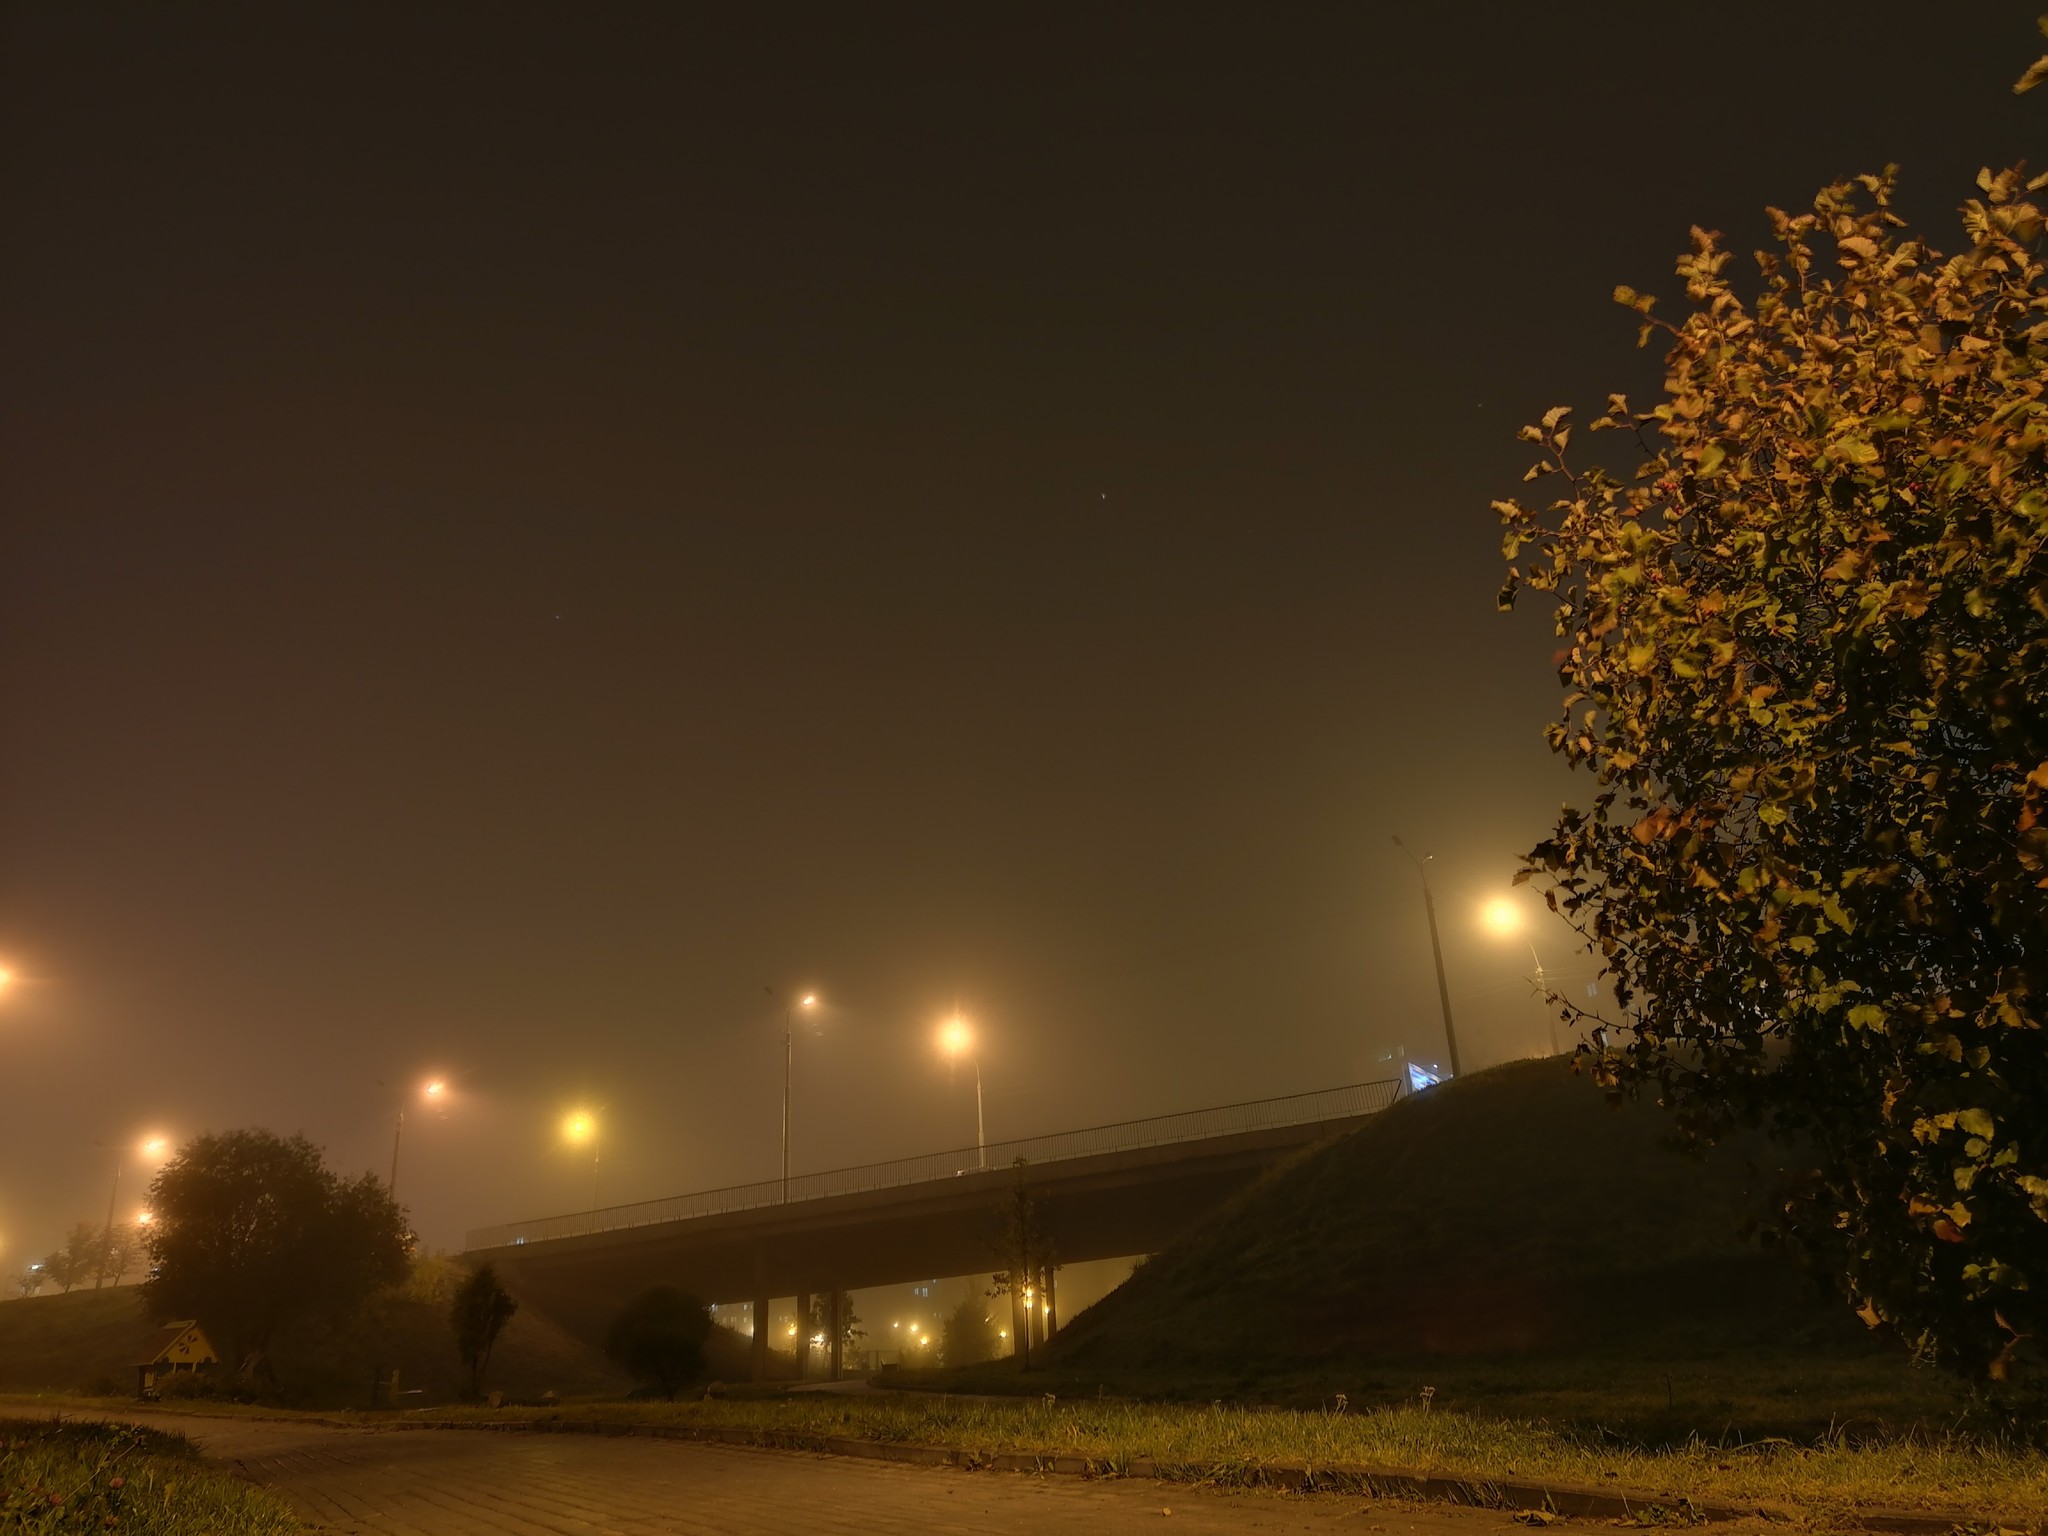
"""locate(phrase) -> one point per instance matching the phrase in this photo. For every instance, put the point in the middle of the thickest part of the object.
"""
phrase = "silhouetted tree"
(79, 1259)
(969, 1337)
(1024, 1250)
(481, 1309)
(1805, 648)
(658, 1339)
(850, 1329)
(124, 1251)
(253, 1230)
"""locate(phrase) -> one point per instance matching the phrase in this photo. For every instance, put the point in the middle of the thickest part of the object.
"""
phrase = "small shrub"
(203, 1386)
(659, 1339)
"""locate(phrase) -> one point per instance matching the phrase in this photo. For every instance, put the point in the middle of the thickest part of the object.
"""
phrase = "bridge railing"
(1129, 1135)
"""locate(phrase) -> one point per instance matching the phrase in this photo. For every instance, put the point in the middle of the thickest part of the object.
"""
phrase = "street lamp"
(433, 1091)
(1505, 918)
(580, 1126)
(153, 1148)
(956, 1039)
(1436, 948)
(808, 1001)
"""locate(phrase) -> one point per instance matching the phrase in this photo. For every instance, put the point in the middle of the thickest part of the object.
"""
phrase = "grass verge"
(66, 1476)
(1825, 1482)
(1753, 1395)
(1831, 1478)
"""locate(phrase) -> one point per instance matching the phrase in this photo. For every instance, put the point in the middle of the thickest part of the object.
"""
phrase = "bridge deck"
(1301, 1109)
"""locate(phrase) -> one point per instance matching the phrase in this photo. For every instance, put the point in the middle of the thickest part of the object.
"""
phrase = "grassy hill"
(1506, 1234)
(88, 1341)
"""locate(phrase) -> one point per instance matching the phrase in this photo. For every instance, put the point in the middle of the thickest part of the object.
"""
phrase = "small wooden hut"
(175, 1347)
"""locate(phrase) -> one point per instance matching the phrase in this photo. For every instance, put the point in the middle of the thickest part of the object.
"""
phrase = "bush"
(659, 1339)
(202, 1386)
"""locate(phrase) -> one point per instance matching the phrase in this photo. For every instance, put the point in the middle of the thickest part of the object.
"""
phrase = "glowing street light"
(151, 1149)
(807, 1002)
(580, 1126)
(1505, 919)
(956, 1039)
(1502, 916)
(433, 1091)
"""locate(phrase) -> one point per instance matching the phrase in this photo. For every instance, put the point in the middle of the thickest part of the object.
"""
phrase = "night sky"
(525, 526)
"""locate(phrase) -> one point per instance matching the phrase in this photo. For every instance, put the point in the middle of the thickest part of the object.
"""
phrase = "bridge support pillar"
(803, 1335)
(835, 1333)
(1052, 1316)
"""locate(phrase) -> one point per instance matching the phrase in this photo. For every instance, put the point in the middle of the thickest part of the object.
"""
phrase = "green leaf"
(1977, 1122)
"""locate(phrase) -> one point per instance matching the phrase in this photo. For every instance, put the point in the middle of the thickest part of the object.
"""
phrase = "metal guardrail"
(1129, 1135)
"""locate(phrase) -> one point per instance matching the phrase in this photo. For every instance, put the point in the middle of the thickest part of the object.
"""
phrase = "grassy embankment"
(75, 1477)
(89, 1342)
(1517, 1245)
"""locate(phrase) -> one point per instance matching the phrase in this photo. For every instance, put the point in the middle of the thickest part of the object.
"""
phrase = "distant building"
(176, 1347)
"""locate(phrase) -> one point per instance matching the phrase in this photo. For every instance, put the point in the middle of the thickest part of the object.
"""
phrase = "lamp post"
(1436, 948)
(434, 1091)
(956, 1039)
(809, 1000)
(1505, 919)
(153, 1146)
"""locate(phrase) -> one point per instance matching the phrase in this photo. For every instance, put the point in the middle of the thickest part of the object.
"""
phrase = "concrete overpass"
(1106, 1192)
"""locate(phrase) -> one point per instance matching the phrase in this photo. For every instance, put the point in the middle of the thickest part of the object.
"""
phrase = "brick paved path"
(354, 1482)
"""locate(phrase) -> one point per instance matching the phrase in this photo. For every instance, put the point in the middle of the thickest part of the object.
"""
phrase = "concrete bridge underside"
(1108, 1205)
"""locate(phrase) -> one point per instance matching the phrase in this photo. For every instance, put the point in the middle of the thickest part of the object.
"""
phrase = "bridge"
(1110, 1191)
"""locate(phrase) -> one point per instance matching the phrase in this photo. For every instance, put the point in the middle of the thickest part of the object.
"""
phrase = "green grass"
(1748, 1394)
(1822, 1480)
(58, 1477)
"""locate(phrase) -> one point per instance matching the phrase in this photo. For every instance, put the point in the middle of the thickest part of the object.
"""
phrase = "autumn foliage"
(1805, 648)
